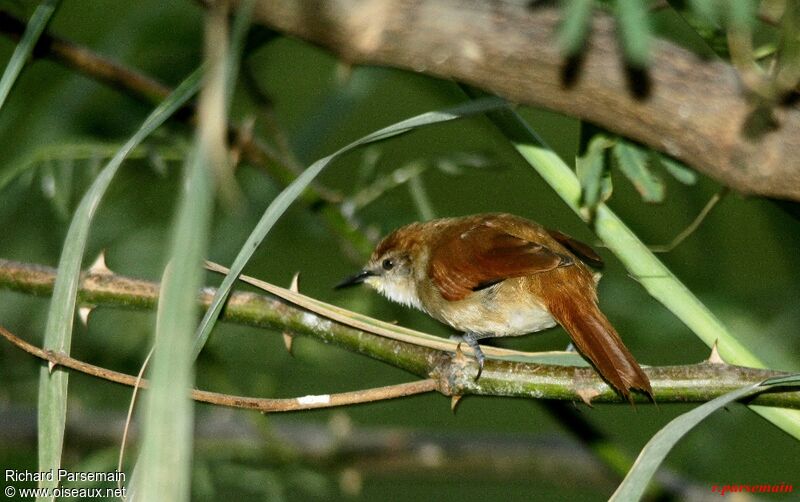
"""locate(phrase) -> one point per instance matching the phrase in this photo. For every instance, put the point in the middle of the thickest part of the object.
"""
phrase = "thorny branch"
(452, 373)
(248, 403)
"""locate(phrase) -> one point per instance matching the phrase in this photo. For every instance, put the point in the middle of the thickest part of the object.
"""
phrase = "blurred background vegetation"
(59, 126)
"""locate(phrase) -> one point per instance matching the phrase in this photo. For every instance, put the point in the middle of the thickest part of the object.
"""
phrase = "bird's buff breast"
(482, 313)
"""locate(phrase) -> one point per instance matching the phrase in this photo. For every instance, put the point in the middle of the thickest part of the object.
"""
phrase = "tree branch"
(453, 373)
(690, 108)
(247, 403)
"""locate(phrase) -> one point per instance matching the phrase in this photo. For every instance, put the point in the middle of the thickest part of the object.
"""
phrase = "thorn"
(51, 366)
(587, 394)
(454, 402)
(714, 357)
(351, 482)
(99, 266)
(288, 338)
(83, 314)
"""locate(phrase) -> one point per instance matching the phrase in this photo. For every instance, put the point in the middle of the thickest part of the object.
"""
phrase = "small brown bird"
(493, 275)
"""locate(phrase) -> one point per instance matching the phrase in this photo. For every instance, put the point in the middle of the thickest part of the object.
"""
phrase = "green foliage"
(60, 128)
(678, 171)
(632, 161)
(575, 25)
(594, 175)
(634, 485)
(58, 333)
(36, 25)
(635, 31)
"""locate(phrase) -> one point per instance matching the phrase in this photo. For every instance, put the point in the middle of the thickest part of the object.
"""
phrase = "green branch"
(454, 372)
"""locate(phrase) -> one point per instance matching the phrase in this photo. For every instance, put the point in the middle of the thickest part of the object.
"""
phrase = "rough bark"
(693, 109)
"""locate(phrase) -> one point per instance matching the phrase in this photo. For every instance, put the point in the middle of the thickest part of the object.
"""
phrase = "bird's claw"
(472, 340)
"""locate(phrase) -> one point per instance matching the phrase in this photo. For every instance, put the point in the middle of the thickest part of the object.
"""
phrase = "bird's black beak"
(355, 280)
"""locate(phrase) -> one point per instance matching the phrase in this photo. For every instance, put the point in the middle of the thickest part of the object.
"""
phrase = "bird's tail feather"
(598, 341)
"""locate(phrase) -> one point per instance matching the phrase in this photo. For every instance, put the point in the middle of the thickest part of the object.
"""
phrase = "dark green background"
(742, 263)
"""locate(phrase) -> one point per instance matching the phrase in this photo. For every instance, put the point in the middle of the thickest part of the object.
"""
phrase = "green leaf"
(594, 176)
(36, 25)
(632, 161)
(707, 10)
(741, 14)
(680, 172)
(168, 423)
(164, 468)
(782, 380)
(576, 16)
(58, 332)
(291, 192)
(656, 450)
(634, 31)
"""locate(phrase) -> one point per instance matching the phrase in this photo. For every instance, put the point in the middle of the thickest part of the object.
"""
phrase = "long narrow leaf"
(656, 450)
(290, 193)
(36, 25)
(168, 422)
(634, 31)
(163, 471)
(58, 333)
(574, 25)
(632, 161)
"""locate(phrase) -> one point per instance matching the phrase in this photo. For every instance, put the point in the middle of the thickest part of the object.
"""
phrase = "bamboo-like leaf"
(419, 195)
(678, 171)
(656, 450)
(35, 26)
(164, 470)
(58, 333)
(290, 193)
(741, 14)
(632, 161)
(168, 424)
(593, 174)
(574, 25)
(634, 31)
(707, 10)
(89, 155)
(641, 263)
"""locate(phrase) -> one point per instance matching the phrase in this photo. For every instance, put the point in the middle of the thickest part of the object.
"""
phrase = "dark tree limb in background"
(352, 450)
(693, 109)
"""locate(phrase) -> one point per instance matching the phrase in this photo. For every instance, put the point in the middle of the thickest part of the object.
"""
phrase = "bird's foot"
(471, 339)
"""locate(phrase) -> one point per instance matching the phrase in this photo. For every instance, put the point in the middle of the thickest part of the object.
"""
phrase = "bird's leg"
(471, 339)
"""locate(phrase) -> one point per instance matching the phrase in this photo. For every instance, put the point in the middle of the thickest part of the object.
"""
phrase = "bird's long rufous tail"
(598, 341)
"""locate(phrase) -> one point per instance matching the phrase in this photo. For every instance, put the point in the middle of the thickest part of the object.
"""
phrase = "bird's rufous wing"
(469, 259)
(581, 250)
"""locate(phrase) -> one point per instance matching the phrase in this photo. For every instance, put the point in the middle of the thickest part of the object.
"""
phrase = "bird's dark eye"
(387, 264)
